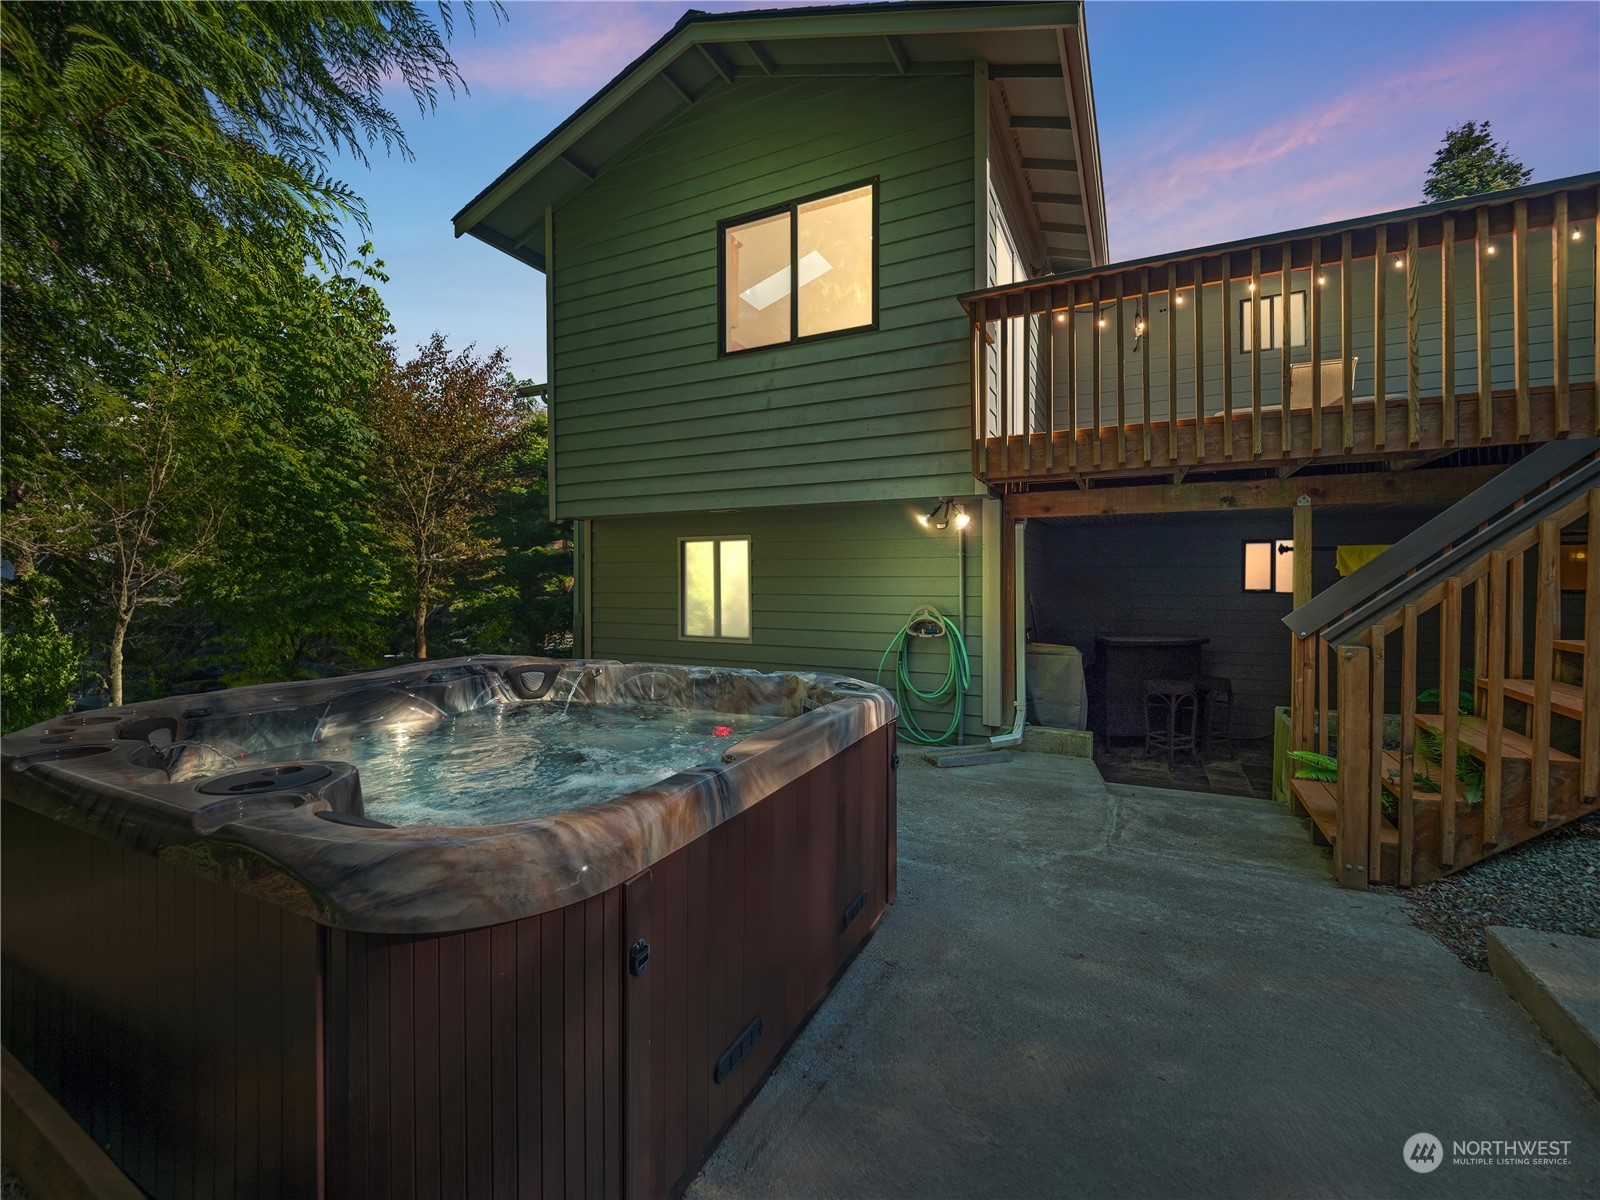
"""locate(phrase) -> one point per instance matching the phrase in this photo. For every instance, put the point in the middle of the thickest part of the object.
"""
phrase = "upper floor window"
(829, 242)
(1272, 322)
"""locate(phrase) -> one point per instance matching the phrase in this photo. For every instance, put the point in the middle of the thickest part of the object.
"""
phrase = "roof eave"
(874, 20)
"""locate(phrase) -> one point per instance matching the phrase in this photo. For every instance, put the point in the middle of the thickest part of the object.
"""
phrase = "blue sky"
(1217, 120)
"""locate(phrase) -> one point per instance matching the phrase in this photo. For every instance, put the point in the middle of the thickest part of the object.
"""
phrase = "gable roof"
(1036, 50)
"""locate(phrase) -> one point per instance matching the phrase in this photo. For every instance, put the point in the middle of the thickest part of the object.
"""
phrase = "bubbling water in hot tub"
(510, 762)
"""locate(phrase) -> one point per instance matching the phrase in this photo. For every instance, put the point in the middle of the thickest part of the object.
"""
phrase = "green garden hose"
(957, 678)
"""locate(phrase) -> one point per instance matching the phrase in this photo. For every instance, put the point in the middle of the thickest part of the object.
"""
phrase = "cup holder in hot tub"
(58, 754)
(277, 778)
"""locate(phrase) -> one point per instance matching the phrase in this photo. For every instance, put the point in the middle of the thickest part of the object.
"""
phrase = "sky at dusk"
(1217, 121)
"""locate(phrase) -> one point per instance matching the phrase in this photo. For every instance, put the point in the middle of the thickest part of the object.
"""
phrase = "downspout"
(1013, 738)
(961, 624)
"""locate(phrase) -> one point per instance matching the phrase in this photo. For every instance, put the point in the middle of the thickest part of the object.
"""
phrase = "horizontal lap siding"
(1183, 575)
(648, 418)
(829, 587)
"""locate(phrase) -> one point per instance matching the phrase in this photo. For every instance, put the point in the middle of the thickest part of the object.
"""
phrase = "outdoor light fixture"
(1322, 281)
(1061, 318)
(1577, 235)
(1488, 249)
(1399, 264)
(1180, 299)
(962, 520)
(1252, 285)
(938, 517)
(1138, 327)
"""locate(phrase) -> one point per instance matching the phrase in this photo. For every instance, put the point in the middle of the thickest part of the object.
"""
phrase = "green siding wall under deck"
(829, 588)
(649, 419)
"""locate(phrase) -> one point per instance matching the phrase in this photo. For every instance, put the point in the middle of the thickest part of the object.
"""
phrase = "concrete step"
(1552, 975)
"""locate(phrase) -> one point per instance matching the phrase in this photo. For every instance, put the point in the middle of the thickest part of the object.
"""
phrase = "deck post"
(1300, 662)
(1355, 759)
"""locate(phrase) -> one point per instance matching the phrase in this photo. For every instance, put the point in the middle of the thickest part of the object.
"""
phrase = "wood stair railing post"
(1375, 752)
(1494, 712)
(1450, 714)
(1590, 768)
(1351, 846)
(1547, 616)
(1408, 742)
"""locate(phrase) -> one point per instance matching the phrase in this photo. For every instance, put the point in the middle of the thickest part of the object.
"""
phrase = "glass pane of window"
(1297, 319)
(735, 589)
(756, 287)
(1284, 553)
(835, 252)
(699, 589)
(1258, 566)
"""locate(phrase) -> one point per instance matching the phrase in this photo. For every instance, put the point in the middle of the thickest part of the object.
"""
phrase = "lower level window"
(714, 587)
(1269, 566)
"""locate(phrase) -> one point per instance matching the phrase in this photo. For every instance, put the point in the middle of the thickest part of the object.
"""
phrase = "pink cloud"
(1363, 149)
(552, 48)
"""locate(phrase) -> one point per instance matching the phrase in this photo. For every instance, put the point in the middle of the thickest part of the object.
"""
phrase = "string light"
(1102, 322)
(1180, 300)
(1061, 318)
(1322, 281)
(1488, 249)
(1252, 285)
(1399, 264)
(1577, 235)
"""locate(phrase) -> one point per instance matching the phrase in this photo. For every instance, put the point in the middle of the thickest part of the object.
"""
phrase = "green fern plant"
(1464, 698)
(1324, 768)
(1430, 753)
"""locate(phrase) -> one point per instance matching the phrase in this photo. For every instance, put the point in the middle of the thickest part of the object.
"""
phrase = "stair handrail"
(1348, 605)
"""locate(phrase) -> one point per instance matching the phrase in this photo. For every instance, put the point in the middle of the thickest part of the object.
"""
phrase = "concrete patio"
(1099, 990)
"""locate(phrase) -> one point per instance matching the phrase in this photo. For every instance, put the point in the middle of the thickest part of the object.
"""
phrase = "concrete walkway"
(1116, 991)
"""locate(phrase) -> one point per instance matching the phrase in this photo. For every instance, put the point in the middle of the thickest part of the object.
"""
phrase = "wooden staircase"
(1526, 757)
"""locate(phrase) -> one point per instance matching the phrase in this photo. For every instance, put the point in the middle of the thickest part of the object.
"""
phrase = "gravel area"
(1551, 883)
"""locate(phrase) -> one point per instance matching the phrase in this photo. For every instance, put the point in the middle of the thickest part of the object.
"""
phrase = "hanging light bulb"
(962, 520)
(1488, 249)
(1399, 264)
(1061, 318)
(1577, 235)
(1252, 285)
(1322, 281)
(1180, 299)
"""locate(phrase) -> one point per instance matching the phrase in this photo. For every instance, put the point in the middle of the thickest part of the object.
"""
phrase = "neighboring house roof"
(1036, 52)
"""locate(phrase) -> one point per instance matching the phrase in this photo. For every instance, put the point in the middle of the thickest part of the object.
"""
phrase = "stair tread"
(1321, 802)
(1565, 698)
(1569, 645)
(1474, 735)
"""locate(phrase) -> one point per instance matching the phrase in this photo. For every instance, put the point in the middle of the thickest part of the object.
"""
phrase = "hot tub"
(394, 934)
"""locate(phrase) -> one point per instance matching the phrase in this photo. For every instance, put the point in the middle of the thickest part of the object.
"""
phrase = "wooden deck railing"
(1511, 750)
(1474, 322)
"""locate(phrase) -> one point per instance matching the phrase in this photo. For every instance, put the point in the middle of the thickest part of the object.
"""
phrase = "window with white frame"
(1271, 322)
(1269, 566)
(714, 588)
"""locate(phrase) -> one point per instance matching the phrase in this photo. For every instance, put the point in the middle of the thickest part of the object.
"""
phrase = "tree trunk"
(422, 628)
(119, 634)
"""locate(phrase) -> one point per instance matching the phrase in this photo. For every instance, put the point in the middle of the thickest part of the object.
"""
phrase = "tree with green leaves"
(1468, 163)
(448, 428)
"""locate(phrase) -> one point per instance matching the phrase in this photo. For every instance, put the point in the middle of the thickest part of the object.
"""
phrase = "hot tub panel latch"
(638, 957)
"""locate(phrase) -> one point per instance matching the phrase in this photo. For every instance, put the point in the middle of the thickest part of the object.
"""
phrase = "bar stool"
(1171, 716)
(1215, 690)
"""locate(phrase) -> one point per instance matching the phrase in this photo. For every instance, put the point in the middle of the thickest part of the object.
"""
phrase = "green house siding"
(829, 588)
(648, 418)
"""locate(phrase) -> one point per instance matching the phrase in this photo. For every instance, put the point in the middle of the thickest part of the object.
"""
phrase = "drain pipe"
(1013, 737)
(961, 625)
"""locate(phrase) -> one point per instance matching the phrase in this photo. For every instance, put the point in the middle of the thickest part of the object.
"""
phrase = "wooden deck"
(1473, 320)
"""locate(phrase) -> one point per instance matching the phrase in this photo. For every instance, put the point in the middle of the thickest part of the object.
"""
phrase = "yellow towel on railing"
(1351, 558)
